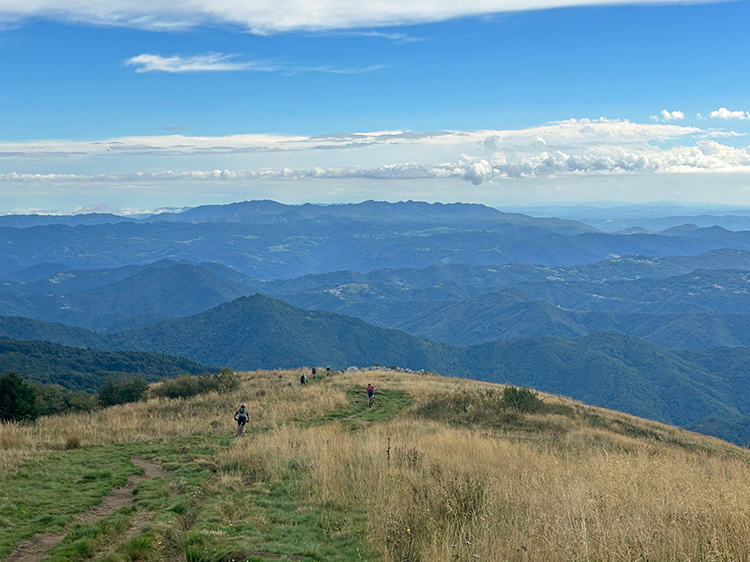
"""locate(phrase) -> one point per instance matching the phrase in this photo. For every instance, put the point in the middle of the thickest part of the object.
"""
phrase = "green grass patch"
(273, 519)
(84, 541)
(388, 403)
(44, 494)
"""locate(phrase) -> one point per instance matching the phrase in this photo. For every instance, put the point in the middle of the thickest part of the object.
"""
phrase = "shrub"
(190, 385)
(122, 391)
(521, 399)
(227, 380)
(17, 399)
(81, 401)
(487, 407)
(54, 399)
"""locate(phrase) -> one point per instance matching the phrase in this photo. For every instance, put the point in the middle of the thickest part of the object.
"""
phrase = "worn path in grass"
(388, 403)
(277, 519)
(122, 496)
(287, 527)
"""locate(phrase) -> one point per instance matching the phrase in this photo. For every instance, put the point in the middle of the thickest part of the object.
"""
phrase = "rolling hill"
(85, 369)
(259, 331)
(145, 297)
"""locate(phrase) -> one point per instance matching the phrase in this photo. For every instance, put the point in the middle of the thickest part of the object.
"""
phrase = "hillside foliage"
(18, 401)
(87, 369)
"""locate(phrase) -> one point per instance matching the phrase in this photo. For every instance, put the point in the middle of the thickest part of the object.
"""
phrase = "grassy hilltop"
(441, 469)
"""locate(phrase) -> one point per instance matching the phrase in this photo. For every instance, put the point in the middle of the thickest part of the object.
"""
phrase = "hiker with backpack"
(241, 416)
(371, 394)
(303, 380)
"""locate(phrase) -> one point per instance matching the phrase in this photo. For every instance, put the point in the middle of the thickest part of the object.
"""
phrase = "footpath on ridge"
(278, 506)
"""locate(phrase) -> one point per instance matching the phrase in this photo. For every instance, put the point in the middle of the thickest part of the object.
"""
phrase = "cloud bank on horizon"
(575, 147)
(277, 16)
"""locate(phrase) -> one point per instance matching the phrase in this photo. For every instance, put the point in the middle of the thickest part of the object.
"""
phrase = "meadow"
(441, 469)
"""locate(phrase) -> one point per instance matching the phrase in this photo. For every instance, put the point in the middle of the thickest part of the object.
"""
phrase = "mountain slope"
(622, 372)
(257, 331)
(149, 295)
(510, 314)
(86, 369)
(20, 328)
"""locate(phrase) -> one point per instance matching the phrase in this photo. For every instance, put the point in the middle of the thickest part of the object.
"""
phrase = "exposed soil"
(37, 548)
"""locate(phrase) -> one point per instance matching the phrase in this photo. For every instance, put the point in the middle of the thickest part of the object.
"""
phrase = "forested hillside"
(85, 369)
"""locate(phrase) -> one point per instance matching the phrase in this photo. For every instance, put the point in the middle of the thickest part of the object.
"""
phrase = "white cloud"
(580, 133)
(218, 62)
(212, 62)
(672, 115)
(575, 148)
(274, 16)
(705, 156)
(724, 113)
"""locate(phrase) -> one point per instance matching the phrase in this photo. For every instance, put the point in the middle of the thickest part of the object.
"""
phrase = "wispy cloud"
(211, 62)
(581, 134)
(389, 36)
(219, 62)
(274, 16)
(724, 113)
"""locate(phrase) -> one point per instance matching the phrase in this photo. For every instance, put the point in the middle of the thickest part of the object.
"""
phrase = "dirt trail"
(37, 548)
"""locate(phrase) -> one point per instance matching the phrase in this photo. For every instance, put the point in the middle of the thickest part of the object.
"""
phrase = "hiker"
(303, 380)
(314, 372)
(328, 370)
(371, 394)
(241, 416)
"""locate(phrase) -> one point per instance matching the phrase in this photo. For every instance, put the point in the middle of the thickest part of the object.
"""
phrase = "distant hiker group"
(314, 374)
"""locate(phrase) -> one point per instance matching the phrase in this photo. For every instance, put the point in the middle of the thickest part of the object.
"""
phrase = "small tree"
(227, 380)
(17, 399)
(521, 399)
(122, 391)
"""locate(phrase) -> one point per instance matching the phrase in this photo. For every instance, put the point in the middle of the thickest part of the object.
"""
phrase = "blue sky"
(134, 105)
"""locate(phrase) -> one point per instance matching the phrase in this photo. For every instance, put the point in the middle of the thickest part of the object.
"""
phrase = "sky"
(128, 105)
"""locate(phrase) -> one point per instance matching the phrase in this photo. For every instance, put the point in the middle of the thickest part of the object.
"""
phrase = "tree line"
(22, 401)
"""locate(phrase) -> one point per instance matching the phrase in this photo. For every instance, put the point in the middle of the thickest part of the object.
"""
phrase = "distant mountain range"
(268, 240)
(459, 289)
(649, 217)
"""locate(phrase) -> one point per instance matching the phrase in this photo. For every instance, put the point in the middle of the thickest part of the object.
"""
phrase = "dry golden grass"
(455, 493)
(272, 398)
(435, 492)
(450, 493)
